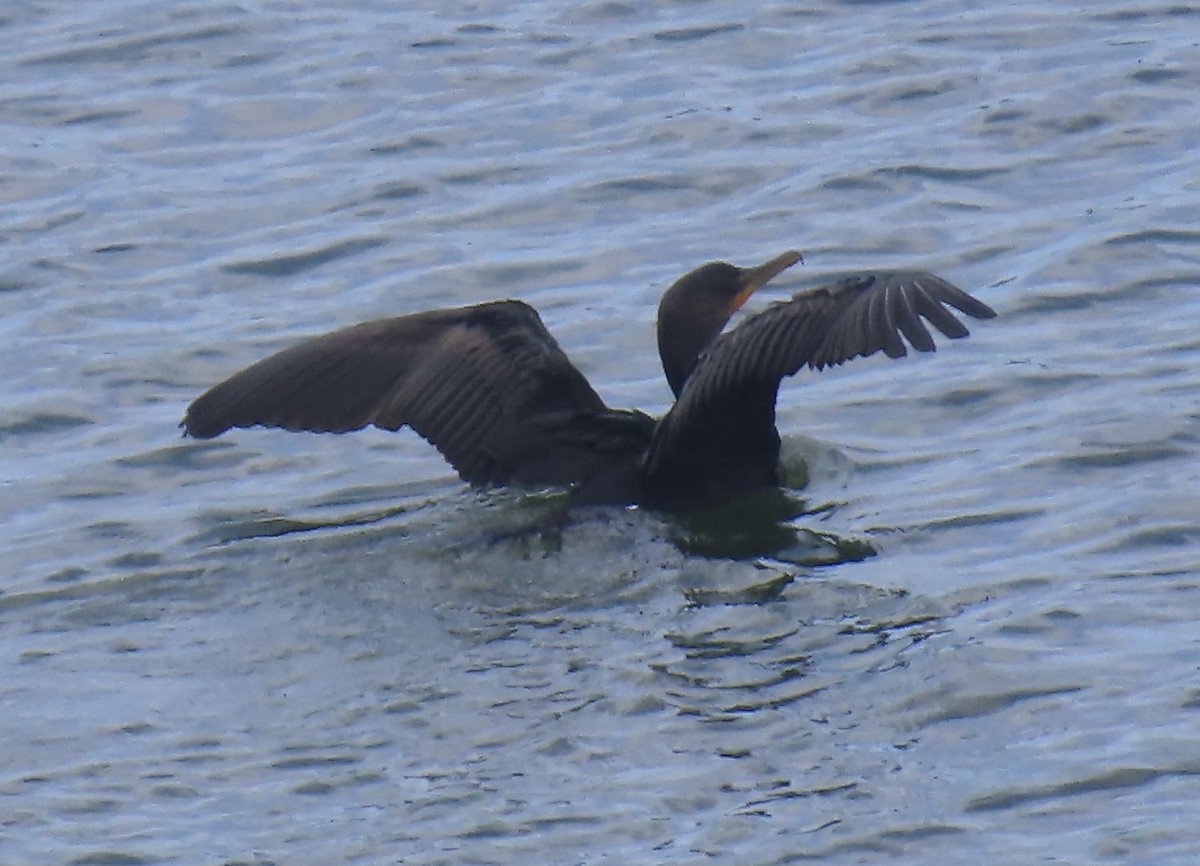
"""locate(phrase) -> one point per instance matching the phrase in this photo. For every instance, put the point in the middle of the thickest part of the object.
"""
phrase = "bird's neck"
(681, 341)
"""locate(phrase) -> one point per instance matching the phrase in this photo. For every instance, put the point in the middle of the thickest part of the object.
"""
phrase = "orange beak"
(752, 279)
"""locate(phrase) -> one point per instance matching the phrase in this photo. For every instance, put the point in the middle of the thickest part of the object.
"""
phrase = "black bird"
(489, 386)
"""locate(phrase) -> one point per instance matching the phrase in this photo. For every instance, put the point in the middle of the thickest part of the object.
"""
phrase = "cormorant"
(491, 389)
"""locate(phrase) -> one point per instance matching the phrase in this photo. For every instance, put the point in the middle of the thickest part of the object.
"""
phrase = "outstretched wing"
(488, 385)
(738, 376)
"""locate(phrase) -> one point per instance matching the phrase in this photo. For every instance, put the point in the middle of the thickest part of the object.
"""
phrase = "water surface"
(278, 648)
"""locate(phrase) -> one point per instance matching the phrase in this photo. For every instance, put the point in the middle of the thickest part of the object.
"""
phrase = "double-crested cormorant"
(490, 387)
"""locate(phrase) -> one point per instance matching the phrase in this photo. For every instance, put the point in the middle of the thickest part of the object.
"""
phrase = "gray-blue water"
(292, 649)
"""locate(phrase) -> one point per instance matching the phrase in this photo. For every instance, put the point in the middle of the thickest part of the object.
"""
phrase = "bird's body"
(490, 387)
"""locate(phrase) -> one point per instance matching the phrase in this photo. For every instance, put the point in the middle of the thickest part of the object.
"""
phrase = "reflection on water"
(764, 524)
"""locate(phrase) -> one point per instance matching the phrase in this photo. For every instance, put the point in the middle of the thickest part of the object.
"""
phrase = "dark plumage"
(489, 386)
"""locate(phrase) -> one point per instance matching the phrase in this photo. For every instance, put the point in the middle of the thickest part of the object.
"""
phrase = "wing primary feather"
(887, 333)
(960, 300)
(930, 306)
(908, 320)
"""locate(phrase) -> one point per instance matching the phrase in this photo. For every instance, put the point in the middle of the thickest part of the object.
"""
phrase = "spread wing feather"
(488, 385)
(821, 327)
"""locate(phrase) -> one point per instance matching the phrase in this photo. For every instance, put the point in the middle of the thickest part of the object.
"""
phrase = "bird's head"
(695, 309)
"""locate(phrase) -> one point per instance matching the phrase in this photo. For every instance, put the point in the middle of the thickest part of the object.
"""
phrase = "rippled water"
(975, 641)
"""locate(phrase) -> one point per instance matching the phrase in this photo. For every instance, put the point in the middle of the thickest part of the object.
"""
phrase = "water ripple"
(287, 265)
(1118, 778)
